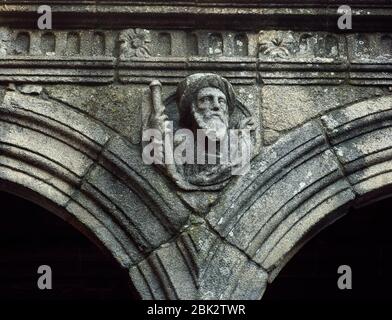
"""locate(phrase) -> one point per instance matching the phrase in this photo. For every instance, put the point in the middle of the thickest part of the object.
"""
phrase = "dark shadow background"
(363, 240)
(31, 236)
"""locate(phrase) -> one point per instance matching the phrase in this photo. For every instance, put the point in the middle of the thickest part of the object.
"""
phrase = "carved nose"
(215, 108)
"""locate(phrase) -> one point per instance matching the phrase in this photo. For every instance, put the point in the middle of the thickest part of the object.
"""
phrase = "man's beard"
(215, 126)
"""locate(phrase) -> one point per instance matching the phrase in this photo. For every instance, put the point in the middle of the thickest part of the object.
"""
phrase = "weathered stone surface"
(75, 99)
(306, 141)
(361, 136)
(134, 214)
(42, 145)
(124, 162)
(286, 108)
(281, 193)
(116, 106)
(57, 115)
(102, 229)
(199, 266)
(204, 111)
(32, 178)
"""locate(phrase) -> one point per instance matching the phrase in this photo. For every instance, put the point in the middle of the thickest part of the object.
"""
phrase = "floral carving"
(276, 43)
(135, 43)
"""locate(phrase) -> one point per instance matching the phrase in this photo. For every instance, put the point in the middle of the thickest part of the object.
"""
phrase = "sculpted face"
(210, 111)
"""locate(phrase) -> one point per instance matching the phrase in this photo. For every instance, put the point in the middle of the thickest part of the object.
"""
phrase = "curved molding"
(92, 177)
(306, 180)
(96, 179)
(198, 265)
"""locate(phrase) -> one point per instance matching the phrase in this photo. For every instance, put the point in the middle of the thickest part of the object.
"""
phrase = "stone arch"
(34, 236)
(306, 180)
(81, 170)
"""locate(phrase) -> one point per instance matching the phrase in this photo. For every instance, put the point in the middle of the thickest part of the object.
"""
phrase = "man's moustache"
(218, 114)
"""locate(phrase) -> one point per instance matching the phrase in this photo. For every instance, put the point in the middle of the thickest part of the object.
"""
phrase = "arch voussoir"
(361, 138)
(306, 180)
(87, 174)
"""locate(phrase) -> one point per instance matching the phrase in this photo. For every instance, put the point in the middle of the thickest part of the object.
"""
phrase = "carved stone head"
(205, 101)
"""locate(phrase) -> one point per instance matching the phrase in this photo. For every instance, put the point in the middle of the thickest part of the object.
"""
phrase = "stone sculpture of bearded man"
(205, 103)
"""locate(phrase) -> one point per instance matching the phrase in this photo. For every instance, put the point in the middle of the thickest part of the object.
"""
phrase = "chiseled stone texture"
(361, 136)
(198, 265)
(117, 106)
(56, 143)
(287, 107)
(74, 102)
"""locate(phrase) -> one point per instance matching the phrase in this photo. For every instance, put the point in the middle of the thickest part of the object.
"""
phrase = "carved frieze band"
(56, 56)
(140, 55)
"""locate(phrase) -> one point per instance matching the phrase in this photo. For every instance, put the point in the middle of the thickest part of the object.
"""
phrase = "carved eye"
(204, 99)
(221, 100)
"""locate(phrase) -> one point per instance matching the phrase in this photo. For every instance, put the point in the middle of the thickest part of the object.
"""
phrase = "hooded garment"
(187, 92)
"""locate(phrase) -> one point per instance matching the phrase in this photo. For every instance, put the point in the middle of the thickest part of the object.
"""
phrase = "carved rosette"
(135, 43)
(276, 43)
(290, 45)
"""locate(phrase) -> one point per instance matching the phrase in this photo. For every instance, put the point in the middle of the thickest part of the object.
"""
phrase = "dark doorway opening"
(362, 240)
(30, 236)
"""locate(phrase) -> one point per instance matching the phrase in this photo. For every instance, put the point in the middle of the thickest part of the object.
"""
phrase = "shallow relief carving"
(138, 56)
(135, 43)
(142, 43)
(291, 45)
(57, 43)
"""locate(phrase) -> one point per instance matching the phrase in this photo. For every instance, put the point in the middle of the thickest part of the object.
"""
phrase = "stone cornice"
(245, 58)
(312, 15)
